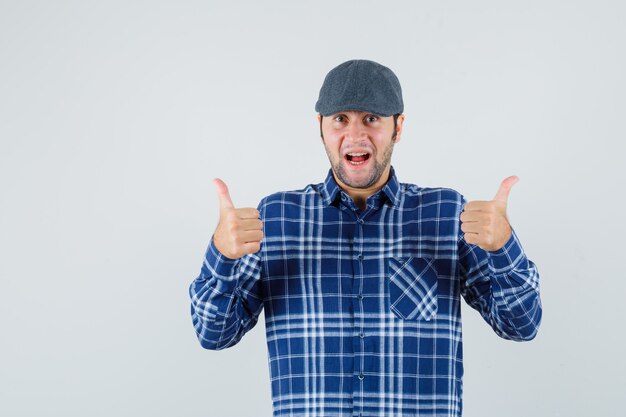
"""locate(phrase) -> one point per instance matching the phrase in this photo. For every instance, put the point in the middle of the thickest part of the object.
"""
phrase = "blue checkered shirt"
(362, 308)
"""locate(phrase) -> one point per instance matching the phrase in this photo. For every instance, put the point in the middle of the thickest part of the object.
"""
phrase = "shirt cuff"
(219, 265)
(508, 256)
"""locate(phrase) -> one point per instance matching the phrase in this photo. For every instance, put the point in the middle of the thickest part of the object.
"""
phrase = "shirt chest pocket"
(412, 288)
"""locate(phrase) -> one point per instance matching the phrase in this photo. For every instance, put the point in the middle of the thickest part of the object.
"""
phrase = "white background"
(115, 116)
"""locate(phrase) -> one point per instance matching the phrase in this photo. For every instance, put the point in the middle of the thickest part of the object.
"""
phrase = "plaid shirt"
(362, 308)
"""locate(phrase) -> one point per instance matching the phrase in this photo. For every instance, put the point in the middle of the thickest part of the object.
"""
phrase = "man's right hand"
(240, 230)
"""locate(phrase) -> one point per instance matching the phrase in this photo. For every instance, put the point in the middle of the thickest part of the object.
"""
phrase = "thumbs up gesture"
(239, 231)
(485, 222)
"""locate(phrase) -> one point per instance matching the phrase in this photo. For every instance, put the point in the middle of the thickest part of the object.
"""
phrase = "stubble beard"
(376, 172)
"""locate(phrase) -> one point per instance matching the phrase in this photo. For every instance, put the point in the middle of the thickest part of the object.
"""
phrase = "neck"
(360, 195)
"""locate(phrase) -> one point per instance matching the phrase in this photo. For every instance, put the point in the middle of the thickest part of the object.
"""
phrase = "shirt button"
(343, 197)
(360, 296)
(361, 377)
(361, 221)
(361, 335)
(360, 257)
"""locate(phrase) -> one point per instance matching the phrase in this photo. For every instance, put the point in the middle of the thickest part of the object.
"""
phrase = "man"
(361, 275)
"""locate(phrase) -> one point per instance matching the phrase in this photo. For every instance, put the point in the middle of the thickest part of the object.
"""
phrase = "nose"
(356, 131)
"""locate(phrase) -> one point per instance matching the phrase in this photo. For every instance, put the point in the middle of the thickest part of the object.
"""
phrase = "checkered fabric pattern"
(362, 308)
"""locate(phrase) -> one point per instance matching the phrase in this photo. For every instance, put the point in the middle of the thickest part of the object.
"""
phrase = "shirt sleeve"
(503, 286)
(226, 297)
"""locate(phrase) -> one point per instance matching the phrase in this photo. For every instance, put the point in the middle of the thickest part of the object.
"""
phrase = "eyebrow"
(364, 114)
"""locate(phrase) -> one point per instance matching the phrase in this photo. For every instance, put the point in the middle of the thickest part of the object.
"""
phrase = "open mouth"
(357, 158)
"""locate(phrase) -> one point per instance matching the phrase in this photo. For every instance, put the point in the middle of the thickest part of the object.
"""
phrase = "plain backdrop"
(115, 116)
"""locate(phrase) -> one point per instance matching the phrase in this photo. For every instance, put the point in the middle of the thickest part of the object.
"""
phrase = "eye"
(372, 118)
(338, 118)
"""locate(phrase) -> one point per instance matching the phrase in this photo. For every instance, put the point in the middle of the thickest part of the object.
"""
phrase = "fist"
(485, 222)
(239, 231)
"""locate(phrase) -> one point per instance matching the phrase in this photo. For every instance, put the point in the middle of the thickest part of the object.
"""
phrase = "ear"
(399, 128)
(319, 122)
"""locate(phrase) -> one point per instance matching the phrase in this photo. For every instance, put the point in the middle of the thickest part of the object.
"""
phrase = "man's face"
(359, 146)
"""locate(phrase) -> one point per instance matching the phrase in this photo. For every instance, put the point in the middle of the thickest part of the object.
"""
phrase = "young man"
(361, 275)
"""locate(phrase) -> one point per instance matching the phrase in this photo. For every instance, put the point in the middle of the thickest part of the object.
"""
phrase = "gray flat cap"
(360, 85)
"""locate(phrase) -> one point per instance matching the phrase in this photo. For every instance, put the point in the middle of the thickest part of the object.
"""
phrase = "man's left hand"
(485, 222)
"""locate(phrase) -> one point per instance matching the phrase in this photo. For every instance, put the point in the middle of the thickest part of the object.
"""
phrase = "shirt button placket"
(359, 310)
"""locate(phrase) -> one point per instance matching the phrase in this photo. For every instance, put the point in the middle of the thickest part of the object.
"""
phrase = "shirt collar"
(330, 190)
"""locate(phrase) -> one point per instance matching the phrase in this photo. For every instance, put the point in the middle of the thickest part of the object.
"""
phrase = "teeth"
(358, 154)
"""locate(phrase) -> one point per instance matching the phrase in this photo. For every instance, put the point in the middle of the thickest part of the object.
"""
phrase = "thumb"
(223, 194)
(505, 188)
